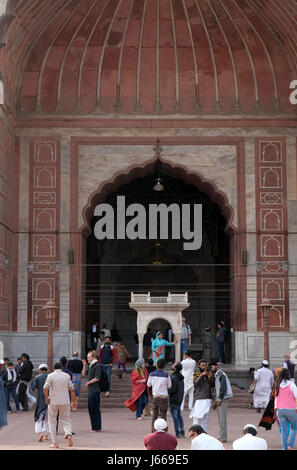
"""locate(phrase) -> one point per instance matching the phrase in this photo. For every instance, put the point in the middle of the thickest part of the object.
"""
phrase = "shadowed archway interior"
(117, 267)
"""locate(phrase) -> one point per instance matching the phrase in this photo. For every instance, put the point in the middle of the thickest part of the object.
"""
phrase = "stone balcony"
(168, 308)
(148, 299)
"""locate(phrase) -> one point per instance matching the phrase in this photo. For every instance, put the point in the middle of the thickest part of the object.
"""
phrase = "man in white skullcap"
(249, 440)
(41, 411)
(160, 425)
(263, 381)
(160, 439)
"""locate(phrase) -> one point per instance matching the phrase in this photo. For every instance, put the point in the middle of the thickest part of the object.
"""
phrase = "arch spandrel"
(140, 171)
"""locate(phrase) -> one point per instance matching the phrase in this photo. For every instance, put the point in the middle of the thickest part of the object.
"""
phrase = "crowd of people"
(54, 393)
(57, 393)
(155, 391)
(164, 391)
(159, 345)
(275, 392)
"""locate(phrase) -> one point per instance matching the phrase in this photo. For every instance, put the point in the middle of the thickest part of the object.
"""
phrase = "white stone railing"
(170, 299)
(178, 298)
(159, 300)
(140, 298)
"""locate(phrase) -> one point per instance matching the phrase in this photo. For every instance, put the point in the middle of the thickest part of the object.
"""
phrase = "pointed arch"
(141, 171)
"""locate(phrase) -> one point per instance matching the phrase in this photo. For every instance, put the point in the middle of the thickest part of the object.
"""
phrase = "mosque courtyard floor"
(121, 431)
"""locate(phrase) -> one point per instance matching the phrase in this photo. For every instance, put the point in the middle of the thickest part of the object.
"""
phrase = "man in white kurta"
(187, 371)
(202, 441)
(263, 380)
(249, 440)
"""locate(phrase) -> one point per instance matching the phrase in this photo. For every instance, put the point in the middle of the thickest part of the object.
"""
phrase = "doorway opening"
(115, 268)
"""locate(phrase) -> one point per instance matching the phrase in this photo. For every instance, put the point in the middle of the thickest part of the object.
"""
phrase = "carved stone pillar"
(140, 345)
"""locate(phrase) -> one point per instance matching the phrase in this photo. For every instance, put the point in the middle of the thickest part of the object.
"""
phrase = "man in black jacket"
(93, 386)
(176, 395)
(203, 383)
(25, 373)
(107, 357)
(9, 377)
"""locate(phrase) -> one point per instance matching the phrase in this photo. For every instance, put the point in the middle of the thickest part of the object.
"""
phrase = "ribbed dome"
(152, 56)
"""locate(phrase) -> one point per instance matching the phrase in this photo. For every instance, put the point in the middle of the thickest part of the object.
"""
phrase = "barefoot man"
(56, 392)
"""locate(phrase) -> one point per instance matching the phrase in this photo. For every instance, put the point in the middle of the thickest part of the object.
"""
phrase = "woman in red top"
(139, 397)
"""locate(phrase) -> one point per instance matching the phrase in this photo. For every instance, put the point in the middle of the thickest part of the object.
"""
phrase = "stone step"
(241, 398)
(121, 390)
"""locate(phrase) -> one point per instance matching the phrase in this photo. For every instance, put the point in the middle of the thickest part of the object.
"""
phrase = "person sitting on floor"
(249, 440)
(160, 439)
(202, 441)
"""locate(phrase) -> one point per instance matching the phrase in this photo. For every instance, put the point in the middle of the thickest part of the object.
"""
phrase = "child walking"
(122, 356)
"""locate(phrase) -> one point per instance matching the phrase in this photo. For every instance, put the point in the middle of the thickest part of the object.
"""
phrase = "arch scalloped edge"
(107, 187)
(216, 195)
(6, 18)
(140, 171)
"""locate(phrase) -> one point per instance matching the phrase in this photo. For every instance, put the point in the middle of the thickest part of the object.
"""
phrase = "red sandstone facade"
(117, 74)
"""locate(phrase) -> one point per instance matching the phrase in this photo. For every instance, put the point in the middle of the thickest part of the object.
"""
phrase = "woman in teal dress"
(158, 347)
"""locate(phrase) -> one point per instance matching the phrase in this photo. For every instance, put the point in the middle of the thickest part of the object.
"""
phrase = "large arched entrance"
(114, 268)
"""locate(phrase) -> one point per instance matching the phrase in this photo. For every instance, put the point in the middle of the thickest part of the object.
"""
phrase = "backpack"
(103, 382)
(106, 355)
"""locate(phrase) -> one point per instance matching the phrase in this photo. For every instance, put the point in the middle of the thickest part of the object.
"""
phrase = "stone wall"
(215, 159)
(8, 201)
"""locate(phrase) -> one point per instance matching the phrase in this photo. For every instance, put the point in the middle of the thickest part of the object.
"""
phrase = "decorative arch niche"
(178, 171)
(126, 175)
